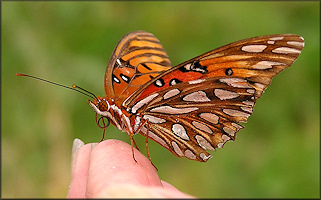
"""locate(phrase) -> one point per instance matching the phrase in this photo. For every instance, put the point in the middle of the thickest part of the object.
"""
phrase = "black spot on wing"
(228, 71)
(194, 67)
(159, 82)
(115, 79)
(174, 81)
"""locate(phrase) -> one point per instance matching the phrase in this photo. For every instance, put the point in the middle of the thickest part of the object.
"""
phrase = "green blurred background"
(275, 156)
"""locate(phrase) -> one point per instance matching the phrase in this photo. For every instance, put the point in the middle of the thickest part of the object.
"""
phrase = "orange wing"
(137, 58)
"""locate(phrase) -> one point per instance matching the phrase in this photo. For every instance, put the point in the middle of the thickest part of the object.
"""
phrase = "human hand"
(108, 170)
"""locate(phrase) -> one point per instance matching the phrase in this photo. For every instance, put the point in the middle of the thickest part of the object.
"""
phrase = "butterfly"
(197, 105)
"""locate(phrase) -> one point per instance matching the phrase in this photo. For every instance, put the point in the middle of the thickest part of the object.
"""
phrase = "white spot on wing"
(247, 109)
(180, 131)
(118, 62)
(225, 94)
(153, 119)
(237, 126)
(285, 50)
(296, 43)
(177, 150)
(250, 103)
(254, 48)
(159, 83)
(270, 42)
(229, 131)
(210, 117)
(235, 82)
(235, 113)
(171, 110)
(266, 64)
(204, 157)
(199, 96)
(202, 127)
(203, 142)
(125, 78)
(277, 38)
(259, 85)
(171, 93)
(189, 154)
(225, 139)
(142, 102)
(154, 137)
(116, 79)
(196, 81)
(251, 91)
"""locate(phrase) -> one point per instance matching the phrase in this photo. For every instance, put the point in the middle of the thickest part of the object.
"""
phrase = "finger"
(80, 163)
(112, 163)
(139, 191)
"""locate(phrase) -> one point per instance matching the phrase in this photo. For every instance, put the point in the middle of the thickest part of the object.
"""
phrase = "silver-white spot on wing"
(225, 139)
(198, 96)
(247, 109)
(210, 117)
(251, 91)
(196, 81)
(259, 85)
(296, 43)
(229, 131)
(285, 50)
(235, 82)
(154, 137)
(142, 102)
(277, 38)
(176, 148)
(204, 157)
(237, 126)
(250, 103)
(266, 64)
(189, 154)
(202, 127)
(180, 131)
(235, 113)
(171, 110)
(171, 93)
(255, 48)
(153, 119)
(202, 142)
(225, 94)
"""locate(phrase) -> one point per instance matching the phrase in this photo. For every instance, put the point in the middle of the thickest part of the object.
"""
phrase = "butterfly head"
(100, 105)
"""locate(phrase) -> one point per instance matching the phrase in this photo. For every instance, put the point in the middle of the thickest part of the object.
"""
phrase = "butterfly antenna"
(93, 95)
(89, 94)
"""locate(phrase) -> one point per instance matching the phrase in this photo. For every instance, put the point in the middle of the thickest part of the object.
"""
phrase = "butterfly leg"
(104, 130)
(131, 143)
(146, 141)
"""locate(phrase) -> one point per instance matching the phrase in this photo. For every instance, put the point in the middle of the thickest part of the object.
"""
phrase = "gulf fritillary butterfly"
(196, 105)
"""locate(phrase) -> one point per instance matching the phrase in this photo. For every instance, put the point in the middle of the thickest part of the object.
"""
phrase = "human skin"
(108, 170)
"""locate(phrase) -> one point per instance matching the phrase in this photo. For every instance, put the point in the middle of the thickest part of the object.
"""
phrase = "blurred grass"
(275, 156)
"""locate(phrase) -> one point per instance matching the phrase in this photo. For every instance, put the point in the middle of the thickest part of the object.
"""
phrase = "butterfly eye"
(104, 124)
(103, 105)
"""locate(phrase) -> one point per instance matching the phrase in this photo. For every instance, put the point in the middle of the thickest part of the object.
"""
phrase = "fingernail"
(93, 145)
(76, 145)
